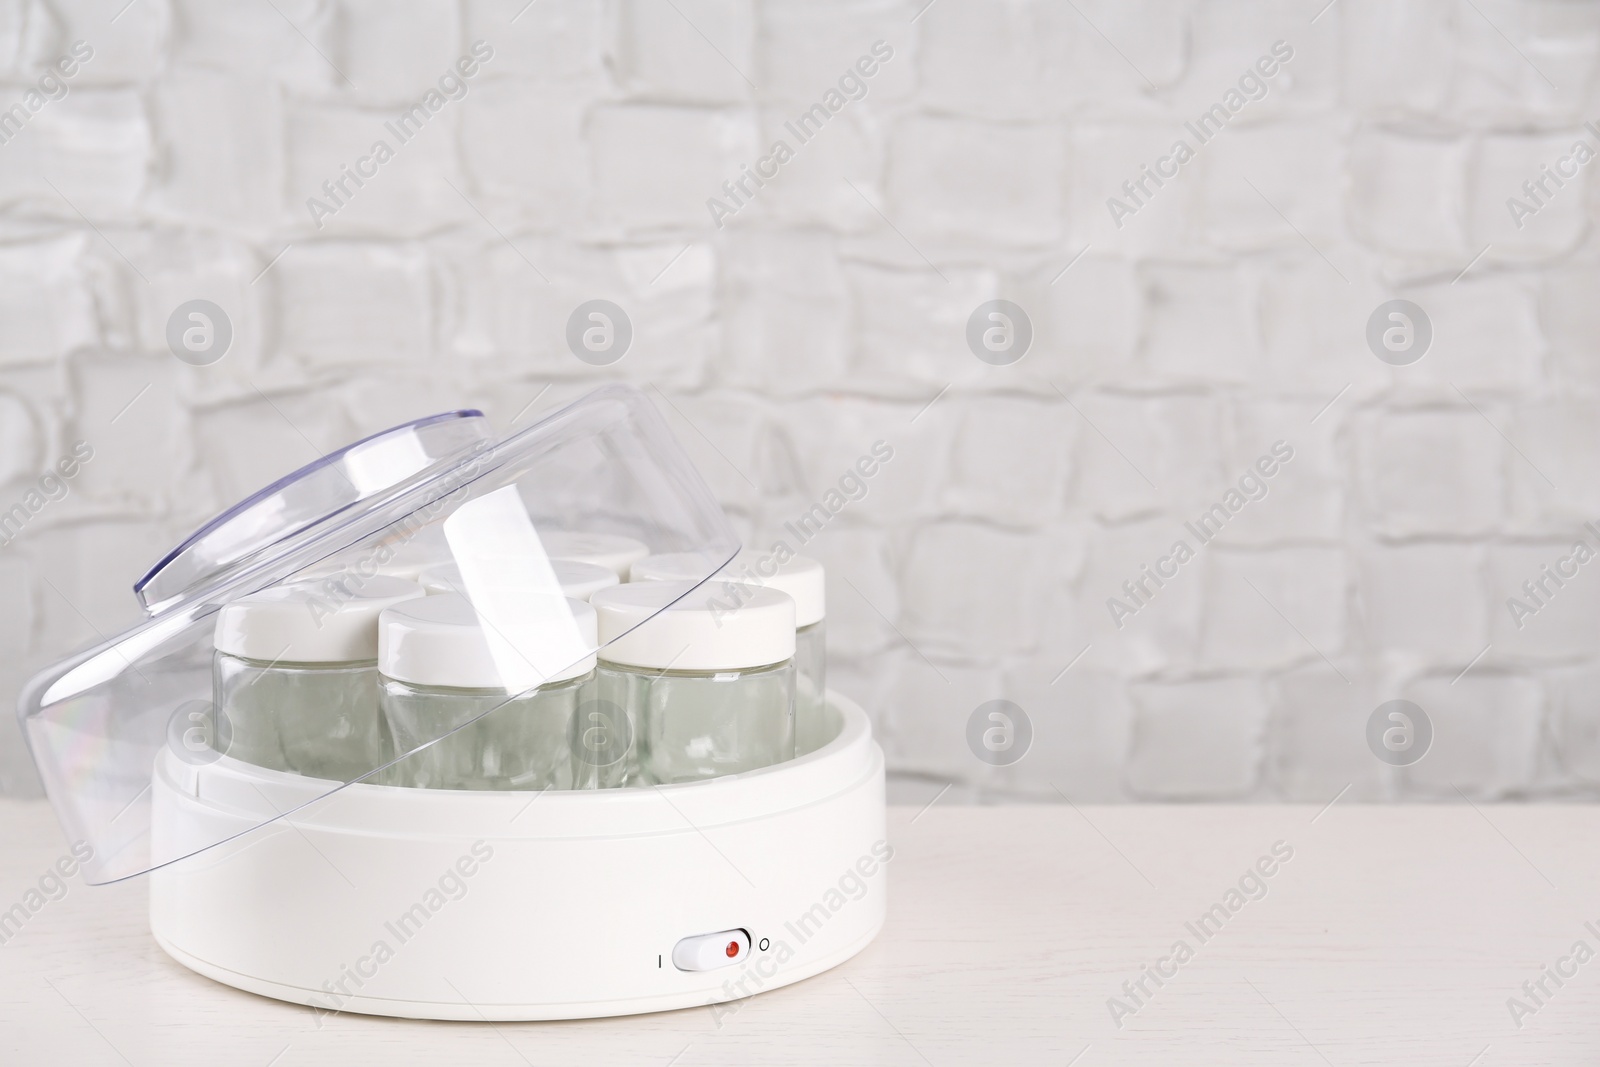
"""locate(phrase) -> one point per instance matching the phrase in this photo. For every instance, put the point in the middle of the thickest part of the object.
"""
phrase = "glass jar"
(811, 687)
(442, 683)
(295, 676)
(707, 683)
(519, 742)
(805, 582)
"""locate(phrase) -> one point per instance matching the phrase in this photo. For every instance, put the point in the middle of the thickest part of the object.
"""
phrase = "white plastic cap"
(726, 628)
(578, 580)
(612, 551)
(801, 577)
(440, 641)
(311, 622)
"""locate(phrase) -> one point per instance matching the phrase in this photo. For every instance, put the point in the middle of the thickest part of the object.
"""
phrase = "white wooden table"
(1394, 935)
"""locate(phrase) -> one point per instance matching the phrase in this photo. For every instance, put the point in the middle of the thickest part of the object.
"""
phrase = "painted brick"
(1229, 37)
(133, 50)
(255, 40)
(512, 302)
(697, 50)
(129, 411)
(863, 592)
(77, 606)
(1163, 634)
(1569, 317)
(548, 40)
(982, 60)
(1486, 730)
(1424, 601)
(1197, 740)
(254, 443)
(1085, 321)
(1385, 71)
(785, 327)
(1011, 460)
(968, 590)
(1559, 618)
(813, 190)
(22, 40)
(928, 711)
(1104, 158)
(910, 326)
(829, 311)
(396, 51)
(46, 299)
(18, 778)
(1267, 609)
(977, 181)
(242, 185)
(1317, 741)
(1188, 302)
(20, 588)
(1433, 472)
(1111, 50)
(21, 451)
(1503, 167)
(1313, 328)
(1540, 76)
(353, 302)
(656, 166)
(94, 146)
(1082, 724)
(199, 266)
(1485, 335)
(805, 46)
(1306, 495)
(1406, 193)
(1575, 714)
(1141, 454)
(1296, 169)
(1553, 489)
(408, 195)
(509, 130)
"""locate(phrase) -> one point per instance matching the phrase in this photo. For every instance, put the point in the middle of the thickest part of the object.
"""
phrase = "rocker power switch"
(707, 952)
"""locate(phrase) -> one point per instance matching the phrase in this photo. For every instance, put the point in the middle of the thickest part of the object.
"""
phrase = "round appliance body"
(502, 906)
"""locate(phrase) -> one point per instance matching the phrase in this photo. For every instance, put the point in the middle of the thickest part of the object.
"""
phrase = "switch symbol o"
(705, 952)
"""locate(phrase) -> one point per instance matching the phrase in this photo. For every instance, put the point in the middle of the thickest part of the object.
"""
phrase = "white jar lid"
(612, 551)
(440, 641)
(330, 621)
(578, 580)
(801, 577)
(723, 628)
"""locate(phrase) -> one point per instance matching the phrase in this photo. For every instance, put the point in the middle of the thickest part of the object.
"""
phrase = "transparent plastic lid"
(261, 637)
(311, 494)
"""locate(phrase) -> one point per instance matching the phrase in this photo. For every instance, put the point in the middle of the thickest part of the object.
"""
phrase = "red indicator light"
(733, 949)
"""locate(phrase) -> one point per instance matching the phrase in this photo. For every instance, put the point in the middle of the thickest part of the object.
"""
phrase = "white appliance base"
(443, 904)
(498, 1013)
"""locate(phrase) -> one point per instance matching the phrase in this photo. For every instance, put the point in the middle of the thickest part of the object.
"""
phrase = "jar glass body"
(694, 725)
(520, 742)
(811, 685)
(317, 719)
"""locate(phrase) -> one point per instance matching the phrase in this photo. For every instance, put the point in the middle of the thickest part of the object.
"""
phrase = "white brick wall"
(1227, 314)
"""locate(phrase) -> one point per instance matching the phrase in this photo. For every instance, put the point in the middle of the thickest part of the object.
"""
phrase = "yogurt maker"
(311, 867)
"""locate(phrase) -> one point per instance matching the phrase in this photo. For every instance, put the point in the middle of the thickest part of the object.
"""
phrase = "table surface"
(1389, 935)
